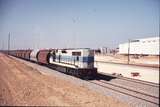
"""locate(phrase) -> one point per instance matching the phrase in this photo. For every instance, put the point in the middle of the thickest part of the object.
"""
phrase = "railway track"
(127, 91)
(139, 81)
(133, 80)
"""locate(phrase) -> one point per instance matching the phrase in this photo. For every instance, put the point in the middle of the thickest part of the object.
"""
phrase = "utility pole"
(128, 50)
(8, 42)
(2, 45)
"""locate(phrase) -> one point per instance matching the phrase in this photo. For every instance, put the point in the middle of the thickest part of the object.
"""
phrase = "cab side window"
(76, 53)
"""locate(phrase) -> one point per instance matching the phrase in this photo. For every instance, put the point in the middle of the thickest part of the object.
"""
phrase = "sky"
(76, 23)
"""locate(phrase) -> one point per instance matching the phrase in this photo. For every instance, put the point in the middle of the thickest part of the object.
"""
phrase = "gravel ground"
(136, 86)
(24, 84)
(107, 92)
(129, 92)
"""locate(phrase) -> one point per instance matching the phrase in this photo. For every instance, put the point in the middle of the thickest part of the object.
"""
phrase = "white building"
(146, 46)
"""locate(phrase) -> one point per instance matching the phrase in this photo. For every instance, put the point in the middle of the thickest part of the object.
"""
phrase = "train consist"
(77, 62)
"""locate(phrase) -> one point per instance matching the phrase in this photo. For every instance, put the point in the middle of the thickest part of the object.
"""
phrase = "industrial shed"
(146, 46)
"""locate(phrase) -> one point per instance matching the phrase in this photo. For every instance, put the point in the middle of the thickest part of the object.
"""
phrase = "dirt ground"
(150, 61)
(22, 85)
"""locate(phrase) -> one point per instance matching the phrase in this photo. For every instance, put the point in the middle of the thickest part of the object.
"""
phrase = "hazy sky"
(76, 23)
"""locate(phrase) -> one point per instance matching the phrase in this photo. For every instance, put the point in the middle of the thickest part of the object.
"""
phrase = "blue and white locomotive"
(78, 62)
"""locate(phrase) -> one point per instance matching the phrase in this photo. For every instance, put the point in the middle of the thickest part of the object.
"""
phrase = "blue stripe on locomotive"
(87, 59)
